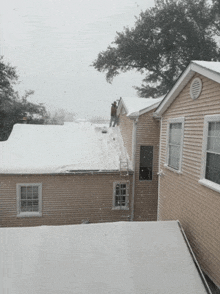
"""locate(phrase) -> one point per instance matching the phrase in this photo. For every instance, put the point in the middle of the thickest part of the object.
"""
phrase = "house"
(82, 172)
(140, 132)
(189, 165)
(70, 174)
(119, 257)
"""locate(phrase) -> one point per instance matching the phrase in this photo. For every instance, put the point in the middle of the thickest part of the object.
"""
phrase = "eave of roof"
(185, 77)
(68, 173)
(136, 114)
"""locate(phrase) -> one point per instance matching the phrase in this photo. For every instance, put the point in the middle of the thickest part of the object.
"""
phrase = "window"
(175, 143)
(211, 152)
(146, 163)
(29, 199)
(121, 195)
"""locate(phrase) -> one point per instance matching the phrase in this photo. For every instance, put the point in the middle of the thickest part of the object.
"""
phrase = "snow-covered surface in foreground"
(124, 257)
(135, 104)
(57, 149)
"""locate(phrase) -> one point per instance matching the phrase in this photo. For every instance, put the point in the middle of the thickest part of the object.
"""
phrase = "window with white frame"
(121, 195)
(211, 152)
(175, 143)
(29, 199)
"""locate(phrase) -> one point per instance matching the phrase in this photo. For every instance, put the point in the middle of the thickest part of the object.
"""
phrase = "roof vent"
(195, 88)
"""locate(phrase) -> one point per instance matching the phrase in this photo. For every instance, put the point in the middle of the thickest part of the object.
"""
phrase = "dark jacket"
(113, 110)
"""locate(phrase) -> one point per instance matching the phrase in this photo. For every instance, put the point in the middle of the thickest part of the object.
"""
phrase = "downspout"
(159, 172)
(134, 146)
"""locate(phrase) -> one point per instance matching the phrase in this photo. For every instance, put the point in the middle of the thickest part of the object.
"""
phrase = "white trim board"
(208, 183)
(171, 121)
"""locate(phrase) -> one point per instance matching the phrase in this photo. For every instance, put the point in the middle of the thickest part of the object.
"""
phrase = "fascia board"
(177, 88)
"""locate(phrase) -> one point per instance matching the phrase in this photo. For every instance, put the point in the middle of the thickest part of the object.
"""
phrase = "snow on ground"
(134, 104)
(123, 257)
(55, 149)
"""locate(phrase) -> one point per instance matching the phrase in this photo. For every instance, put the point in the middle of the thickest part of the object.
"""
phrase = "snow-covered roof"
(57, 149)
(123, 257)
(209, 69)
(210, 65)
(135, 106)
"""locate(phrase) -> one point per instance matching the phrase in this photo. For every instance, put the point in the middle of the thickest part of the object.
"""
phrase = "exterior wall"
(67, 199)
(146, 192)
(181, 196)
(126, 127)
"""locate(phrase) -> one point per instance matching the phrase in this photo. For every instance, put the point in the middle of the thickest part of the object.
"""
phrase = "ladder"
(123, 167)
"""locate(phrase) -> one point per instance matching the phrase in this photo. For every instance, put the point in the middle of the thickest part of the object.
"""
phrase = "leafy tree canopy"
(13, 108)
(162, 42)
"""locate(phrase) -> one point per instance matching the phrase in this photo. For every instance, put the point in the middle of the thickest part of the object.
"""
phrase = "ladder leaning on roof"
(123, 167)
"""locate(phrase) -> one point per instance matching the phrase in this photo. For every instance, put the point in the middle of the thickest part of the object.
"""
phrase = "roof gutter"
(67, 173)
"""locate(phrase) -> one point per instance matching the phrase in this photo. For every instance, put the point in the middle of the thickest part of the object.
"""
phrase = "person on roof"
(113, 114)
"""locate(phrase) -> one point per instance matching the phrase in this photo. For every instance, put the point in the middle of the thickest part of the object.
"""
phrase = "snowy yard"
(123, 257)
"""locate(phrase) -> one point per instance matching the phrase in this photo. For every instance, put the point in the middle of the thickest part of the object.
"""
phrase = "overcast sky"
(53, 43)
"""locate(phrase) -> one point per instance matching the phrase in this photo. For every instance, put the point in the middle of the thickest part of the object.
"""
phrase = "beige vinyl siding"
(126, 128)
(146, 192)
(180, 195)
(66, 199)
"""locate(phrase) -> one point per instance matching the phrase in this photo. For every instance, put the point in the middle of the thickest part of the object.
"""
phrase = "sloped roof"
(135, 106)
(209, 69)
(119, 257)
(57, 149)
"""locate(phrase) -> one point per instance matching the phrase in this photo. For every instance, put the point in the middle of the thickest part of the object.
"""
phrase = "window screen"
(146, 163)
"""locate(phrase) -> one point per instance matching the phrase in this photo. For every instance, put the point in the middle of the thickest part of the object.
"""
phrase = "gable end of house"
(207, 69)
